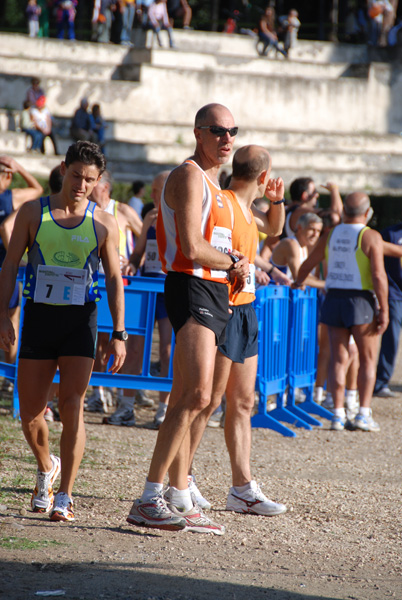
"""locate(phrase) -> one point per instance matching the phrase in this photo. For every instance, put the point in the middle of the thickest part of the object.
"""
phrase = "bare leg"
(14, 315)
(339, 341)
(239, 405)
(165, 346)
(323, 356)
(194, 365)
(353, 368)
(367, 341)
(75, 372)
(221, 376)
(34, 381)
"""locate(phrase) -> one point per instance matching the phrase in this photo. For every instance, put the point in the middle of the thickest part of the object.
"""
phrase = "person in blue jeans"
(65, 17)
(390, 338)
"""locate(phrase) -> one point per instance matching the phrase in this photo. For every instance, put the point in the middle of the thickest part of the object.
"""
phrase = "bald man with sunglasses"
(194, 233)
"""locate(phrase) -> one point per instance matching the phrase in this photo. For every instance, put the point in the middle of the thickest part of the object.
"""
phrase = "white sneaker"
(155, 514)
(160, 415)
(352, 410)
(142, 399)
(196, 521)
(217, 417)
(253, 502)
(199, 498)
(63, 508)
(42, 496)
(366, 423)
(338, 423)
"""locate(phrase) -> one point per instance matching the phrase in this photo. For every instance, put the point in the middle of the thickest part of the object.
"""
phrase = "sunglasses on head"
(220, 131)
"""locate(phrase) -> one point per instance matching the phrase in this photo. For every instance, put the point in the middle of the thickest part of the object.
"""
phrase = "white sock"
(151, 490)
(240, 489)
(351, 398)
(181, 498)
(365, 411)
(318, 394)
(329, 398)
(339, 412)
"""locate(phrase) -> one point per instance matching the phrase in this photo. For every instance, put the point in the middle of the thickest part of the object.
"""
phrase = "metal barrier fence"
(287, 350)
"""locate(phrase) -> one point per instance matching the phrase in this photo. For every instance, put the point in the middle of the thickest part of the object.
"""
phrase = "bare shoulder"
(30, 213)
(372, 240)
(184, 177)
(125, 209)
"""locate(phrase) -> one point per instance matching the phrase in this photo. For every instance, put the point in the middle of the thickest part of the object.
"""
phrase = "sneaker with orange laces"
(42, 496)
(62, 508)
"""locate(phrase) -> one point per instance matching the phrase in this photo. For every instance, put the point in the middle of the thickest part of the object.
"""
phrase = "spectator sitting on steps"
(158, 19)
(43, 122)
(81, 127)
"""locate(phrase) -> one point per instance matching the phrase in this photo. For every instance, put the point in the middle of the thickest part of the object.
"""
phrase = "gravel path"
(341, 536)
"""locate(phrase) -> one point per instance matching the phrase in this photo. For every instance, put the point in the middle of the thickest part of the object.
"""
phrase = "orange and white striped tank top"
(245, 240)
(216, 228)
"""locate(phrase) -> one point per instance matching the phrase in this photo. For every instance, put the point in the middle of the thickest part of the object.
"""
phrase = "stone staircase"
(328, 112)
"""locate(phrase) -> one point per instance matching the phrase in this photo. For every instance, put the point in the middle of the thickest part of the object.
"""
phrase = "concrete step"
(378, 183)
(372, 170)
(313, 104)
(14, 44)
(139, 142)
(186, 41)
(182, 133)
(265, 66)
(69, 69)
(63, 67)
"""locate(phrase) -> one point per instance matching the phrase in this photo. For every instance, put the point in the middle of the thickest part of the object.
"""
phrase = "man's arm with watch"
(273, 221)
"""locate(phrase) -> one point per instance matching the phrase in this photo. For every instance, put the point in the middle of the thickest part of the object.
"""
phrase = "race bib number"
(152, 262)
(60, 285)
(222, 241)
(250, 282)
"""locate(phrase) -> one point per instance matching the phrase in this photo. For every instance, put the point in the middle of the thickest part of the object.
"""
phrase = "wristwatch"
(279, 201)
(234, 259)
(122, 336)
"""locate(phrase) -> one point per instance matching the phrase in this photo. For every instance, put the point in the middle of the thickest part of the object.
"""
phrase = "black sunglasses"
(221, 131)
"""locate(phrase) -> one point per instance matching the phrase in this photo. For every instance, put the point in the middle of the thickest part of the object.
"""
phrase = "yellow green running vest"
(73, 247)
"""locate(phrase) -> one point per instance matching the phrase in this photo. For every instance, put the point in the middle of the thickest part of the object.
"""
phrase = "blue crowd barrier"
(287, 350)
(272, 306)
(288, 324)
(10, 371)
(303, 355)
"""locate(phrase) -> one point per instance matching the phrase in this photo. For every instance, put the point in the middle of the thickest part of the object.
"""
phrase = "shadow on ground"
(121, 581)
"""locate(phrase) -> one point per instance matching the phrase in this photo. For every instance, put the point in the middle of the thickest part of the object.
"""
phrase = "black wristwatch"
(235, 259)
(122, 336)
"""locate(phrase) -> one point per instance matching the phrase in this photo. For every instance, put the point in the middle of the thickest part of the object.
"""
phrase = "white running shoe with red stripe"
(253, 502)
(155, 514)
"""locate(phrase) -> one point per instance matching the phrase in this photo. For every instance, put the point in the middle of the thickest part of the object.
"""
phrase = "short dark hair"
(298, 186)
(55, 180)
(87, 153)
(137, 186)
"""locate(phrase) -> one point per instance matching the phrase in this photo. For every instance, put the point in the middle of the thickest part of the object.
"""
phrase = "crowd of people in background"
(370, 21)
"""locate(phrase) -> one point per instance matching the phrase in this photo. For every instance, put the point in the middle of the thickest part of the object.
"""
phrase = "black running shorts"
(241, 334)
(345, 308)
(207, 301)
(51, 331)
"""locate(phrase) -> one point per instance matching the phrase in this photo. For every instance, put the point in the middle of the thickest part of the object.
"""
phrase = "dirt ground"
(341, 536)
